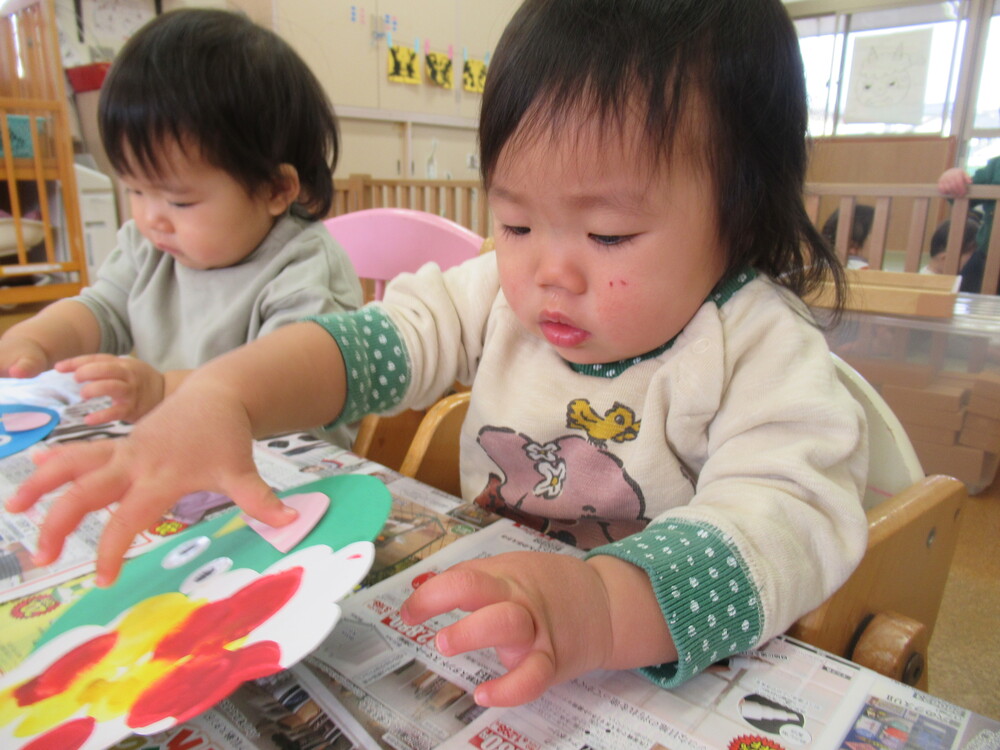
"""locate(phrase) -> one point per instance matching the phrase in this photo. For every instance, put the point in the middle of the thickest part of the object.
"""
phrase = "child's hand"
(22, 358)
(203, 442)
(134, 386)
(550, 618)
(954, 182)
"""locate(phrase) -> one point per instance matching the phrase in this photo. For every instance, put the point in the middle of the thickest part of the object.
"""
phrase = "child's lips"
(559, 332)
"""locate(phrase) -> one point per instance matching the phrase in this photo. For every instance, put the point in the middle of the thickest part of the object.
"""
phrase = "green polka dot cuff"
(704, 591)
(378, 371)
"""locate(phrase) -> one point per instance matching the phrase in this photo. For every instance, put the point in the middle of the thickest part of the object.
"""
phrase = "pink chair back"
(384, 242)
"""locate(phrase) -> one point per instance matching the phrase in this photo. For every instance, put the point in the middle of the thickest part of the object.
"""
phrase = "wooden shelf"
(24, 170)
(38, 170)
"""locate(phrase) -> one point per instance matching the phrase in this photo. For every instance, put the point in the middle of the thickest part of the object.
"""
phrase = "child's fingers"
(120, 392)
(56, 467)
(27, 367)
(112, 414)
(71, 364)
(461, 587)
(257, 499)
(504, 625)
(140, 507)
(526, 682)
(91, 492)
(99, 372)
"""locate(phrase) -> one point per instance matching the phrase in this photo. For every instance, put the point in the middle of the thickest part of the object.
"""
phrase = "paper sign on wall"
(474, 75)
(404, 64)
(439, 69)
(889, 78)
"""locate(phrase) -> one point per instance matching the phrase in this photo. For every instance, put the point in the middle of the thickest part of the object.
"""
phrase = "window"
(988, 99)
(891, 71)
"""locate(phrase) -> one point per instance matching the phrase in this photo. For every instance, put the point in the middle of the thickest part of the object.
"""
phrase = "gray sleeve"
(316, 278)
(107, 297)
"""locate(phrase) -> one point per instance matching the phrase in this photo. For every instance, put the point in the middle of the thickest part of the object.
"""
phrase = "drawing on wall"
(404, 64)
(439, 70)
(889, 78)
(474, 75)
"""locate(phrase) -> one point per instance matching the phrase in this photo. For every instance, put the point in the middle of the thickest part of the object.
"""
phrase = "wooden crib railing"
(912, 212)
(905, 214)
(462, 201)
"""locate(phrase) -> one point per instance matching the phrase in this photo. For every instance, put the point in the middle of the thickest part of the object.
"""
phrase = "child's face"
(599, 255)
(197, 212)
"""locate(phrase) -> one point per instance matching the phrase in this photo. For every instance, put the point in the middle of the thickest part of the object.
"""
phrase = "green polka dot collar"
(719, 295)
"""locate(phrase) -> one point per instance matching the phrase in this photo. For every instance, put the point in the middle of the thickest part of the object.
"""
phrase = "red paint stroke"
(202, 682)
(421, 579)
(754, 742)
(70, 735)
(212, 626)
(61, 673)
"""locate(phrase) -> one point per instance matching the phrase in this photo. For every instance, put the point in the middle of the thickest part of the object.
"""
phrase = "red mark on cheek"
(620, 282)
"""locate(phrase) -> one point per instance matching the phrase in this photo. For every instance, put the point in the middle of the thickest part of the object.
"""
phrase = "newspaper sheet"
(784, 695)
(274, 713)
(379, 683)
(422, 520)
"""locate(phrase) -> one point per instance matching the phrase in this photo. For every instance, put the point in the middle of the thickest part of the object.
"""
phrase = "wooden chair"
(893, 464)
(433, 454)
(382, 243)
(883, 616)
(385, 440)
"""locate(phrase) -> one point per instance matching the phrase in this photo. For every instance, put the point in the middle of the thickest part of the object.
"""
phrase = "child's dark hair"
(736, 62)
(236, 91)
(939, 240)
(861, 225)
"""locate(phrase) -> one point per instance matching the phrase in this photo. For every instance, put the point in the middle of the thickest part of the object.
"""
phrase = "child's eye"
(516, 231)
(611, 239)
(178, 204)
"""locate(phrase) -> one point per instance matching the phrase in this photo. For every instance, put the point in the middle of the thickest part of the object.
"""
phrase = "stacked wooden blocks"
(951, 417)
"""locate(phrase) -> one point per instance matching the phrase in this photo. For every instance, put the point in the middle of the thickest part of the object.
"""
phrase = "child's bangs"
(547, 85)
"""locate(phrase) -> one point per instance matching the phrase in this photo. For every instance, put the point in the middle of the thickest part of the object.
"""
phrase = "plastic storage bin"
(941, 377)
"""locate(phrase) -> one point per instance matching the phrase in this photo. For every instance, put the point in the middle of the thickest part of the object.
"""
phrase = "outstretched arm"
(64, 329)
(550, 618)
(199, 438)
(954, 182)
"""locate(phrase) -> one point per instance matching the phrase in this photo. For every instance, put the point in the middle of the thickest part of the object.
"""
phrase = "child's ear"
(283, 190)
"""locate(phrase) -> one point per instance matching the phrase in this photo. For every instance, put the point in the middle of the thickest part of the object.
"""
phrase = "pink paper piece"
(22, 421)
(311, 507)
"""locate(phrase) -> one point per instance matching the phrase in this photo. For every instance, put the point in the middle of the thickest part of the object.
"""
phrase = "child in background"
(227, 144)
(861, 227)
(646, 382)
(939, 243)
(954, 183)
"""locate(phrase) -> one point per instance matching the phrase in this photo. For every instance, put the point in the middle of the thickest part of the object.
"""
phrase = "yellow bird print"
(618, 423)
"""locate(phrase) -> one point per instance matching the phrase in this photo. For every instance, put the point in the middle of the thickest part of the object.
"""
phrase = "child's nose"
(558, 267)
(155, 215)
